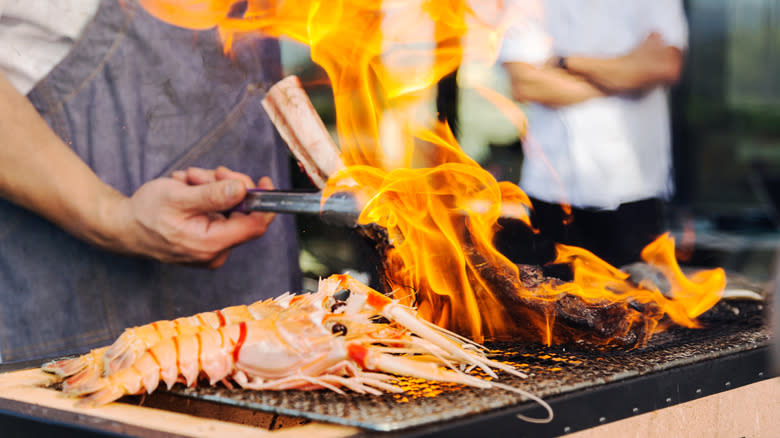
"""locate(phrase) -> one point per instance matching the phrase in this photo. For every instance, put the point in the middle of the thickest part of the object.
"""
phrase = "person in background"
(118, 134)
(596, 76)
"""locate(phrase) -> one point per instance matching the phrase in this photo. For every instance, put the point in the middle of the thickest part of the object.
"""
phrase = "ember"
(423, 190)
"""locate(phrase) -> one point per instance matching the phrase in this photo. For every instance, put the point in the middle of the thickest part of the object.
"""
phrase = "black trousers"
(617, 236)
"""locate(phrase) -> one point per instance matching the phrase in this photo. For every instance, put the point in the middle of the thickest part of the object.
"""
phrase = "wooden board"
(25, 392)
(748, 411)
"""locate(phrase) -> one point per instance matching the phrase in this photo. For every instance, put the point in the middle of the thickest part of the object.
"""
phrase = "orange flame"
(384, 57)
(686, 299)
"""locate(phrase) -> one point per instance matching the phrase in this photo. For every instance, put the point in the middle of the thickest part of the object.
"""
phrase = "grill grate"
(552, 371)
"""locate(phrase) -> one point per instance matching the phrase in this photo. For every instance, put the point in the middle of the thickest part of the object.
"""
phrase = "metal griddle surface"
(552, 371)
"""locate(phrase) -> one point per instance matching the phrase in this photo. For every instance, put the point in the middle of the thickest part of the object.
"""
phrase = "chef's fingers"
(179, 175)
(238, 229)
(219, 260)
(223, 172)
(265, 183)
(212, 197)
(197, 176)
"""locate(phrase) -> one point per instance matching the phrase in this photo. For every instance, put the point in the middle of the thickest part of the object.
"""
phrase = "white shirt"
(604, 151)
(35, 35)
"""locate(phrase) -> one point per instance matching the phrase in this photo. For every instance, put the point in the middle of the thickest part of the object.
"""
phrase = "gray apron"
(137, 99)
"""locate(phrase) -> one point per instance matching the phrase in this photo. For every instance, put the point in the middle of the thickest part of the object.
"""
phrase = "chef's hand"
(177, 219)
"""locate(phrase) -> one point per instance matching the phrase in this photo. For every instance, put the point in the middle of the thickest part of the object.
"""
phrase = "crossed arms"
(651, 63)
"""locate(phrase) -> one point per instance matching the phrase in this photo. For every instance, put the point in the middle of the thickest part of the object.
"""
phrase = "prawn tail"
(107, 389)
(66, 367)
(84, 381)
(71, 366)
(101, 397)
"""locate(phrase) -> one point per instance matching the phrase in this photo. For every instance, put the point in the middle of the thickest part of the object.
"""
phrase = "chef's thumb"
(217, 196)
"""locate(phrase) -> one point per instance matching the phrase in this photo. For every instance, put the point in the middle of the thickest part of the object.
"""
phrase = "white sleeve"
(526, 39)
(666, 17)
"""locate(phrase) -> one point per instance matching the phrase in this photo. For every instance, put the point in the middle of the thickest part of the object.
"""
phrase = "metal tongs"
(339, 209)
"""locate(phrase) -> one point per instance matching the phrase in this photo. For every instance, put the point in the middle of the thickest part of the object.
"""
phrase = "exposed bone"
(741, 294)
(291, 111)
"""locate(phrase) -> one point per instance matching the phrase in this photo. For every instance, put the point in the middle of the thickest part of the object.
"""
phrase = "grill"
(585, 388)
(553, 371)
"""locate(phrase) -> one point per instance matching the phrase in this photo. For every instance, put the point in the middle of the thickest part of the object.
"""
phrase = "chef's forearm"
(631, 72)
(40, 173)
(548, 86)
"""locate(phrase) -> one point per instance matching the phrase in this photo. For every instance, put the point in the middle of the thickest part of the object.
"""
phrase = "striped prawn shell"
(84, 370)
(134, 341)
(289, 342)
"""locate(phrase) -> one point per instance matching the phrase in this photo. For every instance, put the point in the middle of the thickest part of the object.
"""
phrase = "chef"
(121, 137)
(596, 75)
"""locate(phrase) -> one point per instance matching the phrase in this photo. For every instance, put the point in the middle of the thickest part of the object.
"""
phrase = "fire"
(440, 208)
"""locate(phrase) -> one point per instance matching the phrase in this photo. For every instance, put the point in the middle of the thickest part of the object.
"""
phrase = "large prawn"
(82, 370)
(346, 335)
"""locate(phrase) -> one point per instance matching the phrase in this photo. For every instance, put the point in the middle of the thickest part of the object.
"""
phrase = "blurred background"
(726, 141)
